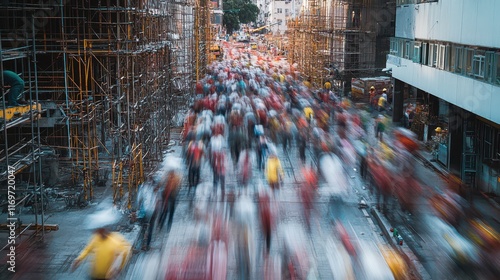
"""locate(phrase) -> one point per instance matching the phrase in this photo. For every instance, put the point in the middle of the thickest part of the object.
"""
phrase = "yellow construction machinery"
(11, 113)
(261, 28)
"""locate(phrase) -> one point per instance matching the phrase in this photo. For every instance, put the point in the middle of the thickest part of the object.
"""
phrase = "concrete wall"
(468, 22)
(480, 98)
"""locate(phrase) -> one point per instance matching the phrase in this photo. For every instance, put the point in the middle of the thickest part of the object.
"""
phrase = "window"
(489, 66)
(497, 70)
(440, 56)
(478, 64)
(394, 46)
(424, 53)
(459, 59)
(416, 52)
(453, 58)
(407, 50)
(488, 141)
(432, 55)
(468, 56)
(401, 48)
(279, 10)
(447, 58)
(497, 152)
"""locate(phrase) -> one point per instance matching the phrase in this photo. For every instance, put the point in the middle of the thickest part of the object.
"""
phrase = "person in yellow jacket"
(274, 171)
(309, 113)
(108, 249)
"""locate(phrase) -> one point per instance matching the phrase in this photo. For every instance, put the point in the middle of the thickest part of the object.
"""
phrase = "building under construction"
(103, 82)
(336, 40)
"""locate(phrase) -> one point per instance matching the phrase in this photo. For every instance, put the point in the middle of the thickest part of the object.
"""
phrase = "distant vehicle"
(242, 37)
(360, 87)
(216, 52)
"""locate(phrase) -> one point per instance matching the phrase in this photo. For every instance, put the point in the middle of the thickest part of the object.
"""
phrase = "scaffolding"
(203, 37)
(21, 151)
(309, 33)
(110, 76)
(336, 40)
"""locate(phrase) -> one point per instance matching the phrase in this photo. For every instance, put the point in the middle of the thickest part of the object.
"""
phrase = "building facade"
(281, 11)
(446, 58)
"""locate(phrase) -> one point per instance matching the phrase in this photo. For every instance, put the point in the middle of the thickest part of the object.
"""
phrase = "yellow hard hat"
(384, 89)
(372, 87)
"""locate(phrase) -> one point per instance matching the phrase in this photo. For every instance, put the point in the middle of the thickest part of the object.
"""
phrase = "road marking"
(365, 213)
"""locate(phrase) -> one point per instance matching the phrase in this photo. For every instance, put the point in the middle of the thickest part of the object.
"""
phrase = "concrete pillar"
(397, 101)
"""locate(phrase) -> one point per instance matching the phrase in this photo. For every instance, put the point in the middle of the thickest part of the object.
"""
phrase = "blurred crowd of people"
(247, 108)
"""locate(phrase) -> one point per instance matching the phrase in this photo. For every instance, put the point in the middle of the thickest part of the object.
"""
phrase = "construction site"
(104, 84)
(337, 40)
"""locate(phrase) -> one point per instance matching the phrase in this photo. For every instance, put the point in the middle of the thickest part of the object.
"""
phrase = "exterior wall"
(456, 21)
(472, 95)
(264, 12)
(289, 8)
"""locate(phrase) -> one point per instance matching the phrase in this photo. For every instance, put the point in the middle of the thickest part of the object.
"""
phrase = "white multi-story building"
(281, 10)
(276, 12)
(446, 54)
(264, 11)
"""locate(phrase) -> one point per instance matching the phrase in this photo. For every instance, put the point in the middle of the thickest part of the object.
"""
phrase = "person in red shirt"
(308, 192)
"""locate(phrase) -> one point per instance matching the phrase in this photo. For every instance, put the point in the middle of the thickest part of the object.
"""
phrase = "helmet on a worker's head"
(372, 87)
(384, 90)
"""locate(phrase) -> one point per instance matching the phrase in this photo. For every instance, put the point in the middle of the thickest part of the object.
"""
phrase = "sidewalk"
(416, 244)
(51, 258)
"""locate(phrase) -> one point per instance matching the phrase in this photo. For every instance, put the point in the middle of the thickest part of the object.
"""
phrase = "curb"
(411, 259)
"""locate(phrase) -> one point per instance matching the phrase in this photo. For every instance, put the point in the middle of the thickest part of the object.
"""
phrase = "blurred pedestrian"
(274, 171)
(219, 169)
(195, 153)
(262, 149)
(379, 127)
(286, 133)
(111, 251)
(382, 102)
(266, 217)
(147, 211)
(169, 198)
(372, 97)
(245, 168)
(307, 192)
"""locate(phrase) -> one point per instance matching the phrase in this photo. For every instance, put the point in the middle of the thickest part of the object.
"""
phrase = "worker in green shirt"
(16, 87)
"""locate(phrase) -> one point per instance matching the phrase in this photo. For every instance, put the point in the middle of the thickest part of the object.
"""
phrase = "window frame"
(431, 55)
(441, 54)
(401, 47)
(394, 47)
(488, 141)
(459, 67)
(496, 67)
(468, 58)
(479, 64)
(489, 68)
(417, 52)
(424, 53)
(447, 58)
